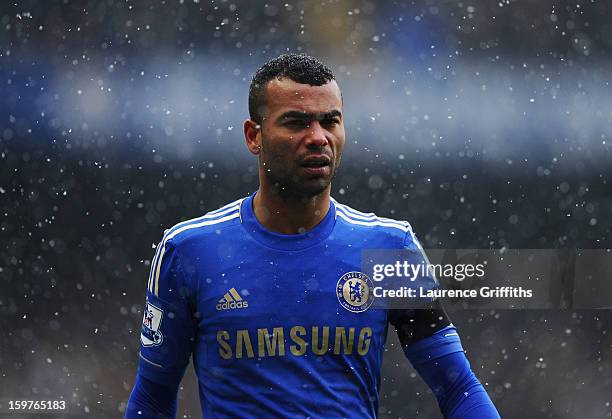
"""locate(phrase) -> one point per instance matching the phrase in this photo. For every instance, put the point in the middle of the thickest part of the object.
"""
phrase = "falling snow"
(486, 125)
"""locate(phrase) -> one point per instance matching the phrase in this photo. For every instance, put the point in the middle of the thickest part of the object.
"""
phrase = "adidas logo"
(231, 300)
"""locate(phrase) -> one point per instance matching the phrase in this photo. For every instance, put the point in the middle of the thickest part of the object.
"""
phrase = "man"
(267, 292)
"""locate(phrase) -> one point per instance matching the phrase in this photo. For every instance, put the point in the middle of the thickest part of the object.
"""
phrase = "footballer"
(267, 294)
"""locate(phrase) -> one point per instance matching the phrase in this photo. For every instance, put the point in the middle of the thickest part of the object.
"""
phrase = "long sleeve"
(167, 335)
(441, 362)
(151, 400)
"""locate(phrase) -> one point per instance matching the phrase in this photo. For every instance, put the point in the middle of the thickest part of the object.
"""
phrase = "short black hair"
(300, 68)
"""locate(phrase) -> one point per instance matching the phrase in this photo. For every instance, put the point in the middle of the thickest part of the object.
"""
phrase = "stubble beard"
(292, 186)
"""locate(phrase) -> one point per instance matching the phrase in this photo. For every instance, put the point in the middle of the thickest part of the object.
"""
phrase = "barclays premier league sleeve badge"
(150, 334)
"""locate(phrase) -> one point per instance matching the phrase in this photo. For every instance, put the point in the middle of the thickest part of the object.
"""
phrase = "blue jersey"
(278, 325)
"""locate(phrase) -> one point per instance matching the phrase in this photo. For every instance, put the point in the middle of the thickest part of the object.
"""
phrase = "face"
(301, 139)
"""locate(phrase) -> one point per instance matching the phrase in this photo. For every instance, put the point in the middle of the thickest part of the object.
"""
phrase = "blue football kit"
(283, 325)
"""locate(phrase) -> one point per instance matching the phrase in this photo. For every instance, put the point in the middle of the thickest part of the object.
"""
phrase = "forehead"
(283, 94)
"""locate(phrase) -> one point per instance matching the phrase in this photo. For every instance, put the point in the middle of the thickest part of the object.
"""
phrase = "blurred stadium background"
(485, 124)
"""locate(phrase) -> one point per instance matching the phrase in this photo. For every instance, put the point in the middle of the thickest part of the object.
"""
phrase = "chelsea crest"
(354, 291)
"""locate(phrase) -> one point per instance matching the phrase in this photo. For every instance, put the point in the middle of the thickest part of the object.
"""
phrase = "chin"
(303, 187)
(313, 187)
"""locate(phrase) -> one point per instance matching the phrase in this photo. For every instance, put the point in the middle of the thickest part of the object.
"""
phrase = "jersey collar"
(285, 241)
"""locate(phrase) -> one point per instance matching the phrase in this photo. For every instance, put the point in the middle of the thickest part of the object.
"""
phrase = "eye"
(330, 121)
(295, 123)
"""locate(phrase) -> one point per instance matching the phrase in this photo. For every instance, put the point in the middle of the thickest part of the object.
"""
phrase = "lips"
(316, 162)
(316, 166)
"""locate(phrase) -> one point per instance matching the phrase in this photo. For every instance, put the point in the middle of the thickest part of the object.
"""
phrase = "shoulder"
(369, 219)
(201, 227)
(370, 222)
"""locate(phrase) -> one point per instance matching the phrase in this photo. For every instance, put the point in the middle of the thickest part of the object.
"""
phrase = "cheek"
(275, 149)
(340, 141)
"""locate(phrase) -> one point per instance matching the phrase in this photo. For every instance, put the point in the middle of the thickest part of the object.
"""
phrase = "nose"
(316, 136)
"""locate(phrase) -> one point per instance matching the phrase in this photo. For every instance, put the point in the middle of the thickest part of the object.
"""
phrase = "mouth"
(316, 162)
(317, 165)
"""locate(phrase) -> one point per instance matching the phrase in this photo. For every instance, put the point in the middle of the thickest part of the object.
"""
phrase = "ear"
(252, 136)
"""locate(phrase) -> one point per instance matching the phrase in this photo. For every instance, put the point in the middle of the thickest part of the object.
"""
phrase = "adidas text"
(232, 305)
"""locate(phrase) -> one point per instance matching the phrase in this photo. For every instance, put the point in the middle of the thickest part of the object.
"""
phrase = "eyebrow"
(311, 116)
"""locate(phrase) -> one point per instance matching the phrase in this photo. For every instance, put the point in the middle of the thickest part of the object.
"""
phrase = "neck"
(290, 215)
